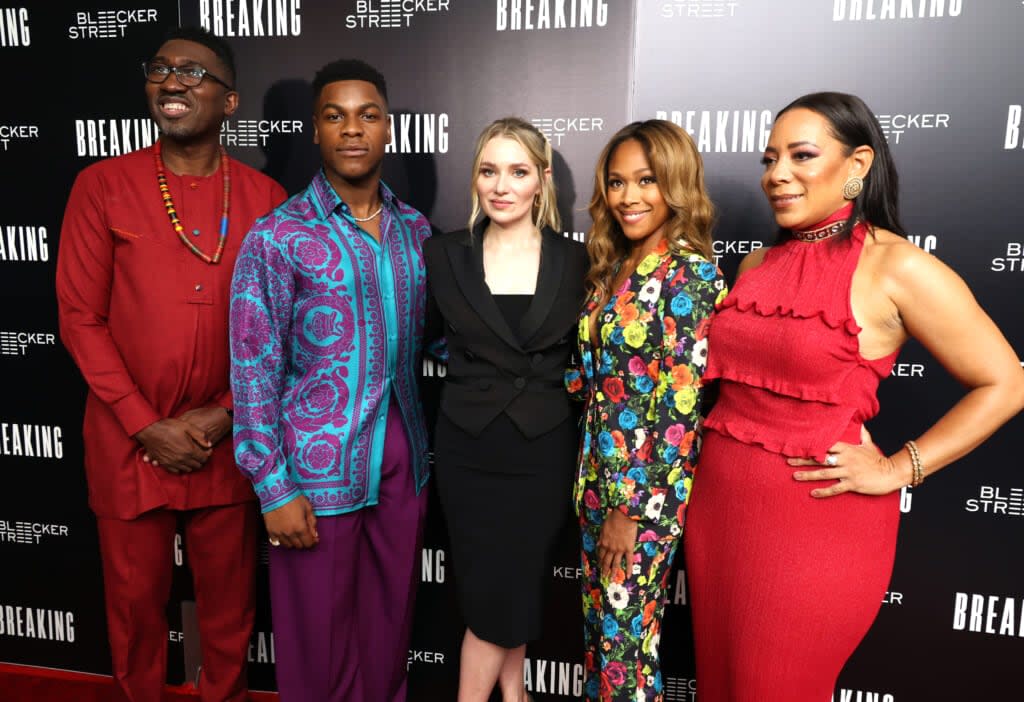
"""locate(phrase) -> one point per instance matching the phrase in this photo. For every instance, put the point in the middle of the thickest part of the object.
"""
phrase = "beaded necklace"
(165, 193)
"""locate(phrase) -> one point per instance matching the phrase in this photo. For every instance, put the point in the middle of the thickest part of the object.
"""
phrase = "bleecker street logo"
(13, 343)
(680, 689)
(894, 126)
(391, 14)
(698, 9)
(1012, 261)
(29, 533)
(1006, 502)
(11, 132)
(256, 132)
(735, 248)
(556, 128)
(108, 24)
(417, 656)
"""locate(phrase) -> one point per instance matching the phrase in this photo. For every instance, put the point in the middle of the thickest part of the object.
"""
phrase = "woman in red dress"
(793, 519)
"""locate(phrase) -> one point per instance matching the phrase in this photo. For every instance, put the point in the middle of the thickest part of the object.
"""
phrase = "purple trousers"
(342, 610)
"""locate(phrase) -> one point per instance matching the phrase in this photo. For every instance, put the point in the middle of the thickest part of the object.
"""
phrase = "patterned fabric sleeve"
(262, 291)
(662, 417)
(576, 370)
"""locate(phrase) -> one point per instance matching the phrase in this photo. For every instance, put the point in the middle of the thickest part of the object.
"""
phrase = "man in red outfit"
(147, 249)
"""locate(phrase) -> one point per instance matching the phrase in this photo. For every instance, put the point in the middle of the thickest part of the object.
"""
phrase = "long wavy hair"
(679, 171)
(853, 124)
(538, 148)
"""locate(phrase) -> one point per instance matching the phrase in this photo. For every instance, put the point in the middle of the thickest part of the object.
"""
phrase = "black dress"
(505, 498)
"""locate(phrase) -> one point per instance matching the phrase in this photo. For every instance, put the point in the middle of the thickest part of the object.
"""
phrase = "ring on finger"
(832, 460)
(274, 542)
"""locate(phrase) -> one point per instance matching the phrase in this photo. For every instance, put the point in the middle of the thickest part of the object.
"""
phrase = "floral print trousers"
(622, 619)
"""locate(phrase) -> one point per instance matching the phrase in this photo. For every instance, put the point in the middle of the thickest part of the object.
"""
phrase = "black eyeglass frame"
(176, 71)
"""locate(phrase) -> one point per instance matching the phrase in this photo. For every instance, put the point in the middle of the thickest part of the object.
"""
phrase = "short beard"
(178, 132)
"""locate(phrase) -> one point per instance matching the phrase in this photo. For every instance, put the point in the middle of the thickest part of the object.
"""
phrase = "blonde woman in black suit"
(505, 294)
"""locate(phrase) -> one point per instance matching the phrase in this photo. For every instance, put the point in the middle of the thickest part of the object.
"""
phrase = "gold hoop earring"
(853, 187)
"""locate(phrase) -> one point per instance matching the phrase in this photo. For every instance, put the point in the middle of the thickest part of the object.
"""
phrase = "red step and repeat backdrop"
(942, 75)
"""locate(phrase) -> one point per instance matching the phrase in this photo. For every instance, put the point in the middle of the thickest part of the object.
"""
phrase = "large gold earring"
(853, 187)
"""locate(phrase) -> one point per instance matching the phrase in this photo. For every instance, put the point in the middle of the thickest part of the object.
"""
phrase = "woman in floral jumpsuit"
(642, 346)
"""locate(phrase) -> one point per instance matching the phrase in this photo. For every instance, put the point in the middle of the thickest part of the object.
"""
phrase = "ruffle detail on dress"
(780, 386)
(774, 444)
(745, 304)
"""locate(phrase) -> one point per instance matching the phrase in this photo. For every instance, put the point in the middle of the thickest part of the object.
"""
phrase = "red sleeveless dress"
(783, 585)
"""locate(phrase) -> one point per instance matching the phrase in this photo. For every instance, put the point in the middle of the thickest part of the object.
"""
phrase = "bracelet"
(915, 463)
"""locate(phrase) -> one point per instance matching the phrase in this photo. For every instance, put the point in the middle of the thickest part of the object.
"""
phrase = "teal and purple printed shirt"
(326, 331)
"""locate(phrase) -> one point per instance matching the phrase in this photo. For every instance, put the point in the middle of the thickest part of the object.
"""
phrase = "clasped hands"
(182, 444)
(860, 468)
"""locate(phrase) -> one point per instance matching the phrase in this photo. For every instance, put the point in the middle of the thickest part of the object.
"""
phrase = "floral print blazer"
(642, 388)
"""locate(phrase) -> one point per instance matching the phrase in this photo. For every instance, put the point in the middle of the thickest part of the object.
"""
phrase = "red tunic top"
(146, 321)
(784, 342)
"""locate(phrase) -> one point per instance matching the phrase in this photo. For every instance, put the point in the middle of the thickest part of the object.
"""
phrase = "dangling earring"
(853, 187)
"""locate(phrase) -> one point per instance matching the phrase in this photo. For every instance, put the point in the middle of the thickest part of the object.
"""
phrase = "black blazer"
(490, 370)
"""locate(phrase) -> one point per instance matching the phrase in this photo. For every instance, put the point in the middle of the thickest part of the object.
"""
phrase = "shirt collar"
(327, 197)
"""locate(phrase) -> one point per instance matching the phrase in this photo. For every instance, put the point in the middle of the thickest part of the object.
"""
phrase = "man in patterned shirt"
(327, 309)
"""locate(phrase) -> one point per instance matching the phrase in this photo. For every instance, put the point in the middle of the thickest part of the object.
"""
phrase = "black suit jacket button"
(520, 383)
(537, 359)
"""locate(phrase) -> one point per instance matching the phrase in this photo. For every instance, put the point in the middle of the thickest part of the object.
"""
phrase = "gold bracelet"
(915, 463)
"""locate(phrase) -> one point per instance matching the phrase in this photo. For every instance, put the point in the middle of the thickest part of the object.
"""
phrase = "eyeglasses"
(189, 76)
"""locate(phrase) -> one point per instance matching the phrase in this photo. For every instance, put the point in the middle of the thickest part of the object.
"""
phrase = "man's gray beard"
(177, 131)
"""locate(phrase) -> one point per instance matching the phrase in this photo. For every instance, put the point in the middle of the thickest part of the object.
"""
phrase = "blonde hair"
(679, 172)
(538, 148)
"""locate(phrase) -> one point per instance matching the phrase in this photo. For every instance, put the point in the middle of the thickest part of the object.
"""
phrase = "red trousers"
(137, 557)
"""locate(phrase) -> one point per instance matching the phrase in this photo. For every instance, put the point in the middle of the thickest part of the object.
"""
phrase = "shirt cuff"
(268, 504)
(134, 413)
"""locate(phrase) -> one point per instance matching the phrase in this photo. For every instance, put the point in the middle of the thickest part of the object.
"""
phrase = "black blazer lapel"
(467, 259)
(549, 280)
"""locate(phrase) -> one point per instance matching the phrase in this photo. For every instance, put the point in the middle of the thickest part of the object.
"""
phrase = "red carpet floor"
(21, 683)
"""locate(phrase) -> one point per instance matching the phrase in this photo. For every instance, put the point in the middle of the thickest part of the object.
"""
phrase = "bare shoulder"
(752, 260)
(906, 268)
